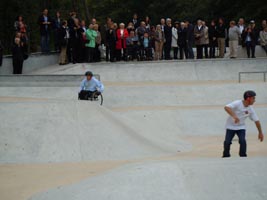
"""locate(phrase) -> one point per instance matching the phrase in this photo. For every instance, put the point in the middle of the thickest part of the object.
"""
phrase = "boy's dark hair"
(249, 93)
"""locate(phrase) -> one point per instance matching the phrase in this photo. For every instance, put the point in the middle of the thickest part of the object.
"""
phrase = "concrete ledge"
(52, 80)
(34, 62)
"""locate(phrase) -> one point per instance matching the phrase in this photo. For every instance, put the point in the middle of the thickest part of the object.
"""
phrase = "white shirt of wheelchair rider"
(91, 85)
(242, 113)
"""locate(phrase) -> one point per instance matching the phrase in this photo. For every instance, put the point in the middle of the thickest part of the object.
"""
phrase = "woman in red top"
(121, 34)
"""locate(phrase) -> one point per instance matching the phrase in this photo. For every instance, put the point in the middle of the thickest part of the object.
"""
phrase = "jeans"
(242, 141)
(45, 43)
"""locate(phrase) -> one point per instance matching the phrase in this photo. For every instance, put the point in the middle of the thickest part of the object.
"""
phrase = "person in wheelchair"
(90, 87)
(132, 44)
(146, 51)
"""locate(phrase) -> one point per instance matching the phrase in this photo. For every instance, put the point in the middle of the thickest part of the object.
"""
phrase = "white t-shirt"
(242, 113)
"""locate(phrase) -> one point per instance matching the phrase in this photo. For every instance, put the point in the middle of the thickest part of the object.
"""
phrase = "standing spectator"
(18, 57)
(76, 36)
(97, 53)
(1, 53)
(255, 31)
(175, 39)
(250, 38)
(135, 21)
(182, 37)
(63, 35)
(263, 24)
(212, 38)
(199, 38)
(90, 43)
(241, 25)
(57, 26)
(162, 24)
(221, 35)
(93, 21)
(104, 36)
(71, 19)
(71, 24)
(83, 50)
(159, 41)
(130, 27)
(147, 22)
(45, 23)
(168, 39)
(122, 34)
(206, 37)
(20, 25)
(111, 42)
(263, 39)
(190, 39)
(141, 31)
(233, 34)
(152, 36)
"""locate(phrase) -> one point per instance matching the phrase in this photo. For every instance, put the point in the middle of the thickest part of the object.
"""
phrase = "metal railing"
(259, 72)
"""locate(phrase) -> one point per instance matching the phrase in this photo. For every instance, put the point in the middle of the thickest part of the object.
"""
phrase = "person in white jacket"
(175, 40)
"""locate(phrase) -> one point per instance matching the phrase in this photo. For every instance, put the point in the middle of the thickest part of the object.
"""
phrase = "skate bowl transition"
(158, 135)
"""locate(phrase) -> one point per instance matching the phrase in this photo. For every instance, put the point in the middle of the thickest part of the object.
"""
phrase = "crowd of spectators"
(78, 41)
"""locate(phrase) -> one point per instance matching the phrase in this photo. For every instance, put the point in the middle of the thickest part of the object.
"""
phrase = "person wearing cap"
(90, 85)
(238, 111)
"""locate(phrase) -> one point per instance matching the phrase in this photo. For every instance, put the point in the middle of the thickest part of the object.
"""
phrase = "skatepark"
(158, 135)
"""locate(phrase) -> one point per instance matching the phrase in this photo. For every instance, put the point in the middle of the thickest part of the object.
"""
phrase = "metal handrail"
(258, 72)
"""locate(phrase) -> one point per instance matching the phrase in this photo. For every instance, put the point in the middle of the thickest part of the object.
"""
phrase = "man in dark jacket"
(18, 57)
(212, 38)
(190, 39)
(168, 38)
(45, 23)
(221, 35)
(111, 42)
(182, 37)
(250, 38)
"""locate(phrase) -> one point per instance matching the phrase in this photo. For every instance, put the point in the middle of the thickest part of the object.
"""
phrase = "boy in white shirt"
(239, 110)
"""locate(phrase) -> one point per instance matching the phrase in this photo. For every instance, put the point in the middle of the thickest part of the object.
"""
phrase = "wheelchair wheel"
(97, 98)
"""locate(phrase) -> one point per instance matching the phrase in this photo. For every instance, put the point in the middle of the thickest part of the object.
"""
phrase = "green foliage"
(122, 11)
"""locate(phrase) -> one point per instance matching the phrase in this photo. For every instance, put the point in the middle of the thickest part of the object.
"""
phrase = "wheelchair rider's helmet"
(89, 73)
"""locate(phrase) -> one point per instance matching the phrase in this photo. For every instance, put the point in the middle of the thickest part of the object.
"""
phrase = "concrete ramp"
(38, 130)
(172, 180)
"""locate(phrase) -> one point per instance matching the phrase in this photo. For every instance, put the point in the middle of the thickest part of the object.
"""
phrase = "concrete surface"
(165, 119)
(186, 180)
